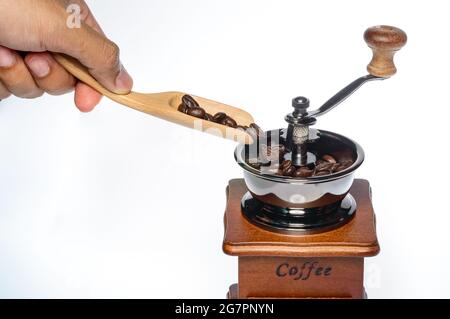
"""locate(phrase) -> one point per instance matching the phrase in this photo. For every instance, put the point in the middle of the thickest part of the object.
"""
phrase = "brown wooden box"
(323, 265)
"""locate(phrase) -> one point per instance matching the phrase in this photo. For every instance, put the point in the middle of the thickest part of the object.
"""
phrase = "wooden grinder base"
(323, 265)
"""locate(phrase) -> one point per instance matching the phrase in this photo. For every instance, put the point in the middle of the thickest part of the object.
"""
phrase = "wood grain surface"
(384, 41)
(357, 238)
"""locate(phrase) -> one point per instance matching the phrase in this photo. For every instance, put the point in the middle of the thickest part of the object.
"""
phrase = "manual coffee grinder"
(307, 237)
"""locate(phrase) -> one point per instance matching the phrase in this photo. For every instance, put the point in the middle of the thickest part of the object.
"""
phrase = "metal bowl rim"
(309, 180)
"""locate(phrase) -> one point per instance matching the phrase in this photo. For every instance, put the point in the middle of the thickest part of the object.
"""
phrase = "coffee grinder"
(307, 237)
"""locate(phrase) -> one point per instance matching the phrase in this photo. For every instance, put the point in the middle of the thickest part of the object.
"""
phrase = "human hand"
(30, 29)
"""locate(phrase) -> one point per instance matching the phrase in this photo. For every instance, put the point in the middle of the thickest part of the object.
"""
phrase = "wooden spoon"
(165, 105)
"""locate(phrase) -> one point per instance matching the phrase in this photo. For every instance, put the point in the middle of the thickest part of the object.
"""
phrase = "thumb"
(100, 55)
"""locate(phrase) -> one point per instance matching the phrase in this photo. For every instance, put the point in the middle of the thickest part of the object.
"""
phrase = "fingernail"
(7, 58)
(39, 67)
(124, 82)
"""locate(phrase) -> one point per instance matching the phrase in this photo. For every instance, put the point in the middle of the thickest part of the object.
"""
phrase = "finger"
(100, 55)
(86, 98)
(15, 76)
(48, 74)
(4, 93)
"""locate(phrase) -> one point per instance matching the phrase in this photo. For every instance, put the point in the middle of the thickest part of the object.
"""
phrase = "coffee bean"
(223, 120)
(346, 163)
(329, 159)
(183, 108)
(190, 106)
(303, 172)
(208, 117)
(343, 165)
(228, 121)
(339, 168)
(189, 101)
(285, 165)
(218, 117)
(320, 161)
(197, 112)
(271, 155)
(324, 167)
(289, 171)
(335, 167)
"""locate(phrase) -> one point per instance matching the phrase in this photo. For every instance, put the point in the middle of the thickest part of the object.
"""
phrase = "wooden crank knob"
(384, 41)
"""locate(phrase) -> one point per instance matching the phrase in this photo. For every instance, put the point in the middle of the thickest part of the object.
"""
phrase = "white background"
(116, 203)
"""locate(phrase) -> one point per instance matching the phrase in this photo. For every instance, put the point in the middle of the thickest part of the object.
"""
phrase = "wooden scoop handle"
(384, 41)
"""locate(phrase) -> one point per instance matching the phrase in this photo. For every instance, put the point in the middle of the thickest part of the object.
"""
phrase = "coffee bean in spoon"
(183, 108)
(228, 121)
(189, 101)
(191, 107)
(196, 112)
(219, 116)
(208, 117)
